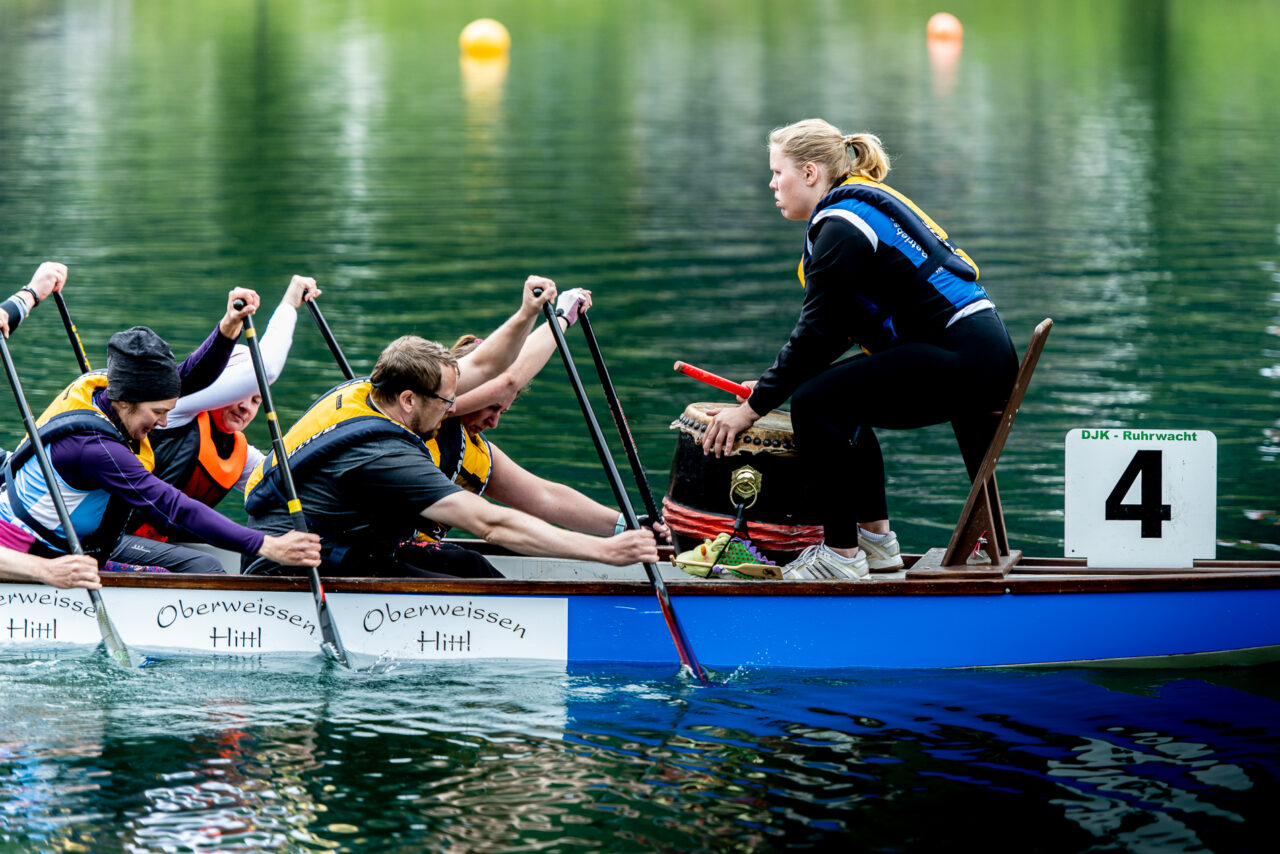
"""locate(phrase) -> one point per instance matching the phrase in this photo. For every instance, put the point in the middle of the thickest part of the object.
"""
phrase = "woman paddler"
(96, 433)
(15, 561)
(202, 449)
(878, 272)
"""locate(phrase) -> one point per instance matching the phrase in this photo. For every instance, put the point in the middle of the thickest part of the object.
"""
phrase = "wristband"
(621, 526)
(34, 296)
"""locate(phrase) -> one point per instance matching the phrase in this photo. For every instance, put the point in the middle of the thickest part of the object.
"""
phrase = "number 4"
(1150, 512)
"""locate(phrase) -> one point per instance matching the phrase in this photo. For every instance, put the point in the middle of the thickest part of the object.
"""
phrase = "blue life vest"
(945, 279)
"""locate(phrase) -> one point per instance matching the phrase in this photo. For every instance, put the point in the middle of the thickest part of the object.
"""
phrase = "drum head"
(771, 434)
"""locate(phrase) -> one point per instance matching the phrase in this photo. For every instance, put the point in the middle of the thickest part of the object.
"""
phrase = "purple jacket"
(88, 461)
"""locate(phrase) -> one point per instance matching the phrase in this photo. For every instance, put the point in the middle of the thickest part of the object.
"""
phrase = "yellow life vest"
(464, 458)
(77, 398)
(72, 411)
(344, 417)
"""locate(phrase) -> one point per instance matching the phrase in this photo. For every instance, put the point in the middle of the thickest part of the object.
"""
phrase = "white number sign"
(1141, 498)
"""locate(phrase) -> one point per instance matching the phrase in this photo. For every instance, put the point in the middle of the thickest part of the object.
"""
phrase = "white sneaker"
(883, 555)
(821, 563)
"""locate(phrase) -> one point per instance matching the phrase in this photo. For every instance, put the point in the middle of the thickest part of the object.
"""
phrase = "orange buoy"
(484, 38)
(944, 27)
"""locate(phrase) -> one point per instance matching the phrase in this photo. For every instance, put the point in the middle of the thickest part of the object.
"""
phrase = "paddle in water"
(116, 648)
(331, 642)
(683, 648)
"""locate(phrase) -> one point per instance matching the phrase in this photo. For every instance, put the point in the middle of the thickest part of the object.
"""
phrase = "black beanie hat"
(140, 367)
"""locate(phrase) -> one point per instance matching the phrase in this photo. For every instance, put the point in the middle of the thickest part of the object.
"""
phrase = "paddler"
(202, 449)
(467, 455)
(877, 272)
(366, 480)
(15, 560)
(96, 434)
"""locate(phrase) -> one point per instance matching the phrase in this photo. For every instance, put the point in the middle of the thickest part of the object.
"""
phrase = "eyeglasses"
(448, 401)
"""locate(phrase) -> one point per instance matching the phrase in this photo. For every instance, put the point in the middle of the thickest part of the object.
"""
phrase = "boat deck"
(555, 576)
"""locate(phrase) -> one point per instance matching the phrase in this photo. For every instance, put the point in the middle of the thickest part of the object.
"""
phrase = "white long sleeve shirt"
(238, 381)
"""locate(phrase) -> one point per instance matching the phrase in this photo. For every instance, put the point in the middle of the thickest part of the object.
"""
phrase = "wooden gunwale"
(1032, 579)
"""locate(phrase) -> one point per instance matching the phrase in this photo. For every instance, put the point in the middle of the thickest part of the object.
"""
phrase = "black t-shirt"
(365, 500)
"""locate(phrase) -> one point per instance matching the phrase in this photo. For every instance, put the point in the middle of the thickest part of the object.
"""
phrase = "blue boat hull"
(1037, 616)
(934, 631)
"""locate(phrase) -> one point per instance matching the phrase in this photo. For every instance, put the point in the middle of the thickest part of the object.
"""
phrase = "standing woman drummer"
(878, 272)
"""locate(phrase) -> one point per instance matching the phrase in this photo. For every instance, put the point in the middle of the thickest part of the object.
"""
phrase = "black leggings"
(140, 551)
(964, 377)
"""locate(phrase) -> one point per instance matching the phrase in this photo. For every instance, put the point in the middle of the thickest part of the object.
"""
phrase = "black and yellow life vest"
(191, 458)
(344, 417)
(75, 405)
(73, 411)
(464, 458)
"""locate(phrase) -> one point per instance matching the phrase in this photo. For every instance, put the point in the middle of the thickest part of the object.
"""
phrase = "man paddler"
(366, 481)
(96, 434)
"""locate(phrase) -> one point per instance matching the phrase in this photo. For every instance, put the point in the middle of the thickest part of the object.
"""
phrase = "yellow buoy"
(484, 38)
(944, 27)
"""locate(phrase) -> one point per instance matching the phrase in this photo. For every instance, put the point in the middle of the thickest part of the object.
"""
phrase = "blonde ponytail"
(842, 155)
(868, 157)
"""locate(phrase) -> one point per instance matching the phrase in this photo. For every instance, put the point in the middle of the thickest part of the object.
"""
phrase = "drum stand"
(979, 546)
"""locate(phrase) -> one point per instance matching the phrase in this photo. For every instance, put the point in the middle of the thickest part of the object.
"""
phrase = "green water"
(1105, 163)
(1111, 165)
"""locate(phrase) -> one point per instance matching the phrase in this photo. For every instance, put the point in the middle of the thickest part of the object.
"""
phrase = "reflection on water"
(1100, 160)
(195, 755)
(168, 158)
(1094, 179)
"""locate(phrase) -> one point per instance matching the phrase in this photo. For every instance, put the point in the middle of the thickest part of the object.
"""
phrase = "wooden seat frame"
(981, 525)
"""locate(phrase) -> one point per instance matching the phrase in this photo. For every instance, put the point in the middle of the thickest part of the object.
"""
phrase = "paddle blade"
(330, 640)
(116, 648)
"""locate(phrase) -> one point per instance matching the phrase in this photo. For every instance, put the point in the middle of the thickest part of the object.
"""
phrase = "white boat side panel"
(453, 626)
(38, 616)
(222, 622)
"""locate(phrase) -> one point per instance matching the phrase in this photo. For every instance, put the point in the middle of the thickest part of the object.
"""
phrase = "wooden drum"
(762, 472)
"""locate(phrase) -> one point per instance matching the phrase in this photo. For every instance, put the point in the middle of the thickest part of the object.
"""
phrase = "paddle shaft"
(76, 344)
(620, 420)
(713, 379)
(683, 649)
(328, 630)
(110, 637)
(327, 334)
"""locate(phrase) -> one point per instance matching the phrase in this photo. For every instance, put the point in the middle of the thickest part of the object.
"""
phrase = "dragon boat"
(1054, 612)
(976, 603)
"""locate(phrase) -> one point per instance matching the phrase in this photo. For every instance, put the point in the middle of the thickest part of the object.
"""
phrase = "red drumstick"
(713, 379)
